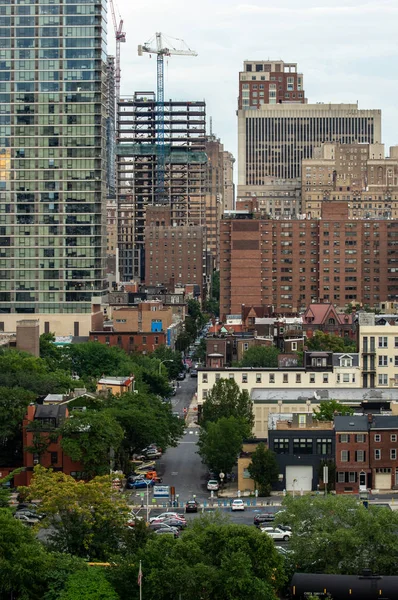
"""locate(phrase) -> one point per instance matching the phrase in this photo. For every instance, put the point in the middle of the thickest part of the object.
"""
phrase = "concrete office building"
(52, 157)
(277, 129)
(358, 174)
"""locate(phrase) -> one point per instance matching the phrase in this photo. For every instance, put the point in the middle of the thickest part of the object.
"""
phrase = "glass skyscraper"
(52, 155)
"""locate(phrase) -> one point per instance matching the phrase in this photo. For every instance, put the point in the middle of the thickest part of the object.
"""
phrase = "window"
(396, 342)
(144, 339)
(360, 456)
(383, 342)
(302, 446)
(383, 379)
(325, 378)
(346, 362)
(346, 378)
(244, 377)
(393, 437)
(294, 346)
(393, 454)
(231, 376)
(281, 445)
(258, 377)
(377, 437)
(204, 378)
(345, 438)
(351, 477)
(341, 477)
(204, 394)
(298, 377)
(271, 378)
(285, 378)
(217, 376)
(377, 454)
(360, 438)
(312, 377)
(345, 455)
(54, 458)
(323, 446)
(383, 360)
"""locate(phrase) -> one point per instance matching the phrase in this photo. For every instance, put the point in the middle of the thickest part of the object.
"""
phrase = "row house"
(366, 453)
(378, 347)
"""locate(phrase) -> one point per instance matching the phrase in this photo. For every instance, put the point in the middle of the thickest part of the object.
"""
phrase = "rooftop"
(116, 380)
(347, 395)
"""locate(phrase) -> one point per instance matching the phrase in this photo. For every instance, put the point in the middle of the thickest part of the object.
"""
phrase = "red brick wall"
(140, 342)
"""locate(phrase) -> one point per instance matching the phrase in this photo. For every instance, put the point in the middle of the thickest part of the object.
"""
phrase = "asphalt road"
(187, 388)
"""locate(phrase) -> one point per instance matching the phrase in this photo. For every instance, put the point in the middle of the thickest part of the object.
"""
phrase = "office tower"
(358, 174)
(277, 129)
(110, 128)
(52, 147)
(229, 186)
(286, 264)
(137, 153)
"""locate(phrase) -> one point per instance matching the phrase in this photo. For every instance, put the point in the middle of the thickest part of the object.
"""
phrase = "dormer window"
(332, 321)
(346, 361)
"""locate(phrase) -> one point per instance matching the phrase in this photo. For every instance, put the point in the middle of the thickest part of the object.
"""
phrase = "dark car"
(139, 483)
(156, 525)
(191, 506)
(181, 376)
(168, 531)
(177, 523)
(194, 373)
(32, 514)
(264, 517)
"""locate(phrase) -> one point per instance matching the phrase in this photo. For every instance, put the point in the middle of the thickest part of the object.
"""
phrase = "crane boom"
(120, 36)
(161, 51)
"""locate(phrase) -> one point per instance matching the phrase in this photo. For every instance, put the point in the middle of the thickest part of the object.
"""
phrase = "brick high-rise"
(289, 263)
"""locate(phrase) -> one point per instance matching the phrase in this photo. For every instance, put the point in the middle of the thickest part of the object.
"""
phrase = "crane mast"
(120, 36)
(161, 51)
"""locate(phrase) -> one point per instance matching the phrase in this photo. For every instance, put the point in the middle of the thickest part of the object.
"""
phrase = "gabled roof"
(320, 312)
(337, 356)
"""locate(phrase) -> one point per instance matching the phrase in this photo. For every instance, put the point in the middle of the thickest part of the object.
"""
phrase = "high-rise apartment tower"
(52, 152)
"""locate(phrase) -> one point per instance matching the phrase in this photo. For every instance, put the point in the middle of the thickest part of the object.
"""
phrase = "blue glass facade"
(52, 155)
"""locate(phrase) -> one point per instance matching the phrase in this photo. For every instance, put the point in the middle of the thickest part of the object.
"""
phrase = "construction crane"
(162, 50)
(120, 37)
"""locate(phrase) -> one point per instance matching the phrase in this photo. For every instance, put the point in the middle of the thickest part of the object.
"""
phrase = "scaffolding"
(137, 156)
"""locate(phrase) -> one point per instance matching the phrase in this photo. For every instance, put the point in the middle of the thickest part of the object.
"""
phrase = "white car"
(277, 534)
(212, 485)
(237, 504)
(167, 515)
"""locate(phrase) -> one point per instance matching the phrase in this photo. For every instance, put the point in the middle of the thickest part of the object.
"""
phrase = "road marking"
(187, 442)
(174, 473)
(191, 432)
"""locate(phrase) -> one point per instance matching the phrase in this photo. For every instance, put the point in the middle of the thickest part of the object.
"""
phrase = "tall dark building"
(110, 129)
(53, 152)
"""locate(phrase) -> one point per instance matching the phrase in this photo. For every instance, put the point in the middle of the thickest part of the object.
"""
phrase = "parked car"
(181, 376)
(168, 531)
(194, 373)
(139, 483)
(177, 523)
(264, 517)
(191, 506)
(27, 520)
(167, 515)
(212, 485)
(156, 525)
(277, 534)
(32, 514)
(237, 504)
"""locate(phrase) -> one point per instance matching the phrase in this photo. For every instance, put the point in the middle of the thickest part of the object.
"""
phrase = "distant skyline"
(347, 53)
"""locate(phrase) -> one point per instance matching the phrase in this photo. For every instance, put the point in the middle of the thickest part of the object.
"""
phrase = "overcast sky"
(347, 51)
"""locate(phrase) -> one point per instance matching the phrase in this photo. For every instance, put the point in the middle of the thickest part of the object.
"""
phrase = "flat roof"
(116, 380)
(340, 394)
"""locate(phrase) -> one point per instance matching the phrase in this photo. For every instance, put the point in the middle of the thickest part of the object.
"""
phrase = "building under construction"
(138, 154)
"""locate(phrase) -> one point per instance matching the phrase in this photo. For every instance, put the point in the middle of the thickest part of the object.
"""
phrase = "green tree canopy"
(260, 356)
(20, 369)
(175, 365)
(327, 342)
(221, 442)
(86, 519)
(329, 408)
(226, 399)
(213, 562)
(54, 357)
(88, 437)
(335, 534)
(93, 359)
(88, 584)
(13, 405)
(264, 469)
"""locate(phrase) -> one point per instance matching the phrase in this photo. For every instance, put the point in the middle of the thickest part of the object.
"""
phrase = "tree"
(226, 399)
(93, 359)
(13, 406)
(260, 356)
(335, 534)
(88, 437)
(210, 562)
(23, 561)
(221, 442)
(327, 342)
(329, 408)
(22, 370)
(85, 519)
(5, 494)
(144, 420)
(54, 357)
(166, 354)
(264, 469)
(88, 584)
(183, 341)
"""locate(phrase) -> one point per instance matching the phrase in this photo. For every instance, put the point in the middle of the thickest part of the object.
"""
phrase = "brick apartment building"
(366, 452)
(288, 264)
(174, 251)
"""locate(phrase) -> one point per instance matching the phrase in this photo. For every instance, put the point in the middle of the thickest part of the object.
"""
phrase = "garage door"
(299, 478)
(383, 481)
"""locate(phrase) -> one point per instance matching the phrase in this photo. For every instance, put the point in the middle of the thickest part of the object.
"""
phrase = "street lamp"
(162, 363)
(148, 483)
(221, 476)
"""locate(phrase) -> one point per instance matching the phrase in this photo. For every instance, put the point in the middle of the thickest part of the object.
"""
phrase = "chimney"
(370, 418)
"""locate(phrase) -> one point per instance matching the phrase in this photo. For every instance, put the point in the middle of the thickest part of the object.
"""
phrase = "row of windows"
(323, 446)
(345, 438)
(346, 378)
(360, 455)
